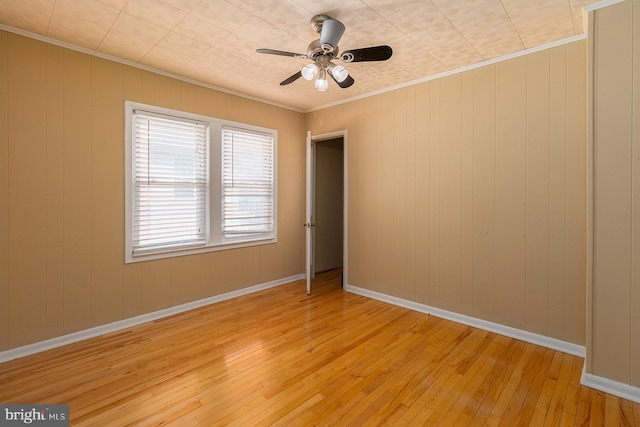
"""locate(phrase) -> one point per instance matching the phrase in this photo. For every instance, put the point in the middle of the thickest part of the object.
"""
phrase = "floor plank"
(280, 357)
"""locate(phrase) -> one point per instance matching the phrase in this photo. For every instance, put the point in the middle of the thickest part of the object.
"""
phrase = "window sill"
(130, 258)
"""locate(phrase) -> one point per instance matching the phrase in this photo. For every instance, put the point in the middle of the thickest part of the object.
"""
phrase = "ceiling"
(215, 41)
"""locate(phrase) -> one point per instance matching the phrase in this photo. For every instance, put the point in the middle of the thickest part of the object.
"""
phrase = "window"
(196, 183)
(247, 177)
(169, 183)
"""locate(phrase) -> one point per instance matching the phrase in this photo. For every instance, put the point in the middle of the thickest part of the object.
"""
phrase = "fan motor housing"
(314, 50)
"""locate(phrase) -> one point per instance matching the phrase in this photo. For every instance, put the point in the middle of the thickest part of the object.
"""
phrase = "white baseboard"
(552, 343)
(26, 350)
(606, 385)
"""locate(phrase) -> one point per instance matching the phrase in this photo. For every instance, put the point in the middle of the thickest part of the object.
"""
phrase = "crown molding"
(480, 64)
(600, 5)
(309, 110)
(91, 52)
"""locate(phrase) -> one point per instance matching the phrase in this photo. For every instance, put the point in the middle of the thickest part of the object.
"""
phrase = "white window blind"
(247, 182)
(170, 183)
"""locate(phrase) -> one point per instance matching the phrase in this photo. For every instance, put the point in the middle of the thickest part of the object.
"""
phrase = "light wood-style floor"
(280, 357)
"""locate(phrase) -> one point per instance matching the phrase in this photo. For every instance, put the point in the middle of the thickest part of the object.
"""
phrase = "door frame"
(310, 206)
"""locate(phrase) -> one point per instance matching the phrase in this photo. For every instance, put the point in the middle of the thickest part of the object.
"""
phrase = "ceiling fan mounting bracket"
(316, 22)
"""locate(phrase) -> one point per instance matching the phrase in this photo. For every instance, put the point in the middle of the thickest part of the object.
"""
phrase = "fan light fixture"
(322, 84)
(309, 72)
(319, 70)
(338, 72)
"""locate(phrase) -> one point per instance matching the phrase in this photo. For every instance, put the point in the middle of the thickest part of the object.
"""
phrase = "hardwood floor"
(280, 357)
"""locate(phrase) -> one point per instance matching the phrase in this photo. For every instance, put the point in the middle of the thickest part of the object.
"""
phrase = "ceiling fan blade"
(374, 53)
(281, 53)
(345, 83)
(291, 79)
(332, 31)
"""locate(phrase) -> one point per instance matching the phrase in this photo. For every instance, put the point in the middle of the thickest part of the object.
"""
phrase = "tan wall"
(468, 192)
(614, 63)
(62, 195)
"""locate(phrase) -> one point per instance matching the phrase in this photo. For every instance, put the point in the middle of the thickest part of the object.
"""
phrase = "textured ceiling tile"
(198, 70)
(540, 21)
(414, 63)
(235, 50)
(164, 59)
(364, 83)
(139, 28)
(184, 5)
(336, 9)
(118, 4)
(232, 44)
(499, 47)
(347, 42)
(408, 17)
(76, 36)
(446, 45)
(576, 14)
(265, 35)
(211, 57)
(183, 44)
(155, 11)
(491, 36)
(576, 11)
(369, 28)
(124, 46)
(540, 35)
(215, 40)
(222, 13)
(291, 18)
(426, 26)
(197, 29)
(28, 15)
(82, 23)
(223, 74)
(383, 74)
(254, 7)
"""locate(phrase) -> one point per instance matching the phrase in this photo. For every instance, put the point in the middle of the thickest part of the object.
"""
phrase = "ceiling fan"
(325, 50)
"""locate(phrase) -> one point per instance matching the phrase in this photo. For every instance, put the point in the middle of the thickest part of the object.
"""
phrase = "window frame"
(215, 240)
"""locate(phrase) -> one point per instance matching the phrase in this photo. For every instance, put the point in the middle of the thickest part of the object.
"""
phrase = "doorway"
(331, 181)
(328, 204)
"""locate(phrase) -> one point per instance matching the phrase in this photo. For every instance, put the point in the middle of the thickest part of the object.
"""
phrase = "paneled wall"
(614, 323)
(62, 195)
(468, 192)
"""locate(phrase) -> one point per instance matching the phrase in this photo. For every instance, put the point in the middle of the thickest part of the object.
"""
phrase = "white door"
(308, 216)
